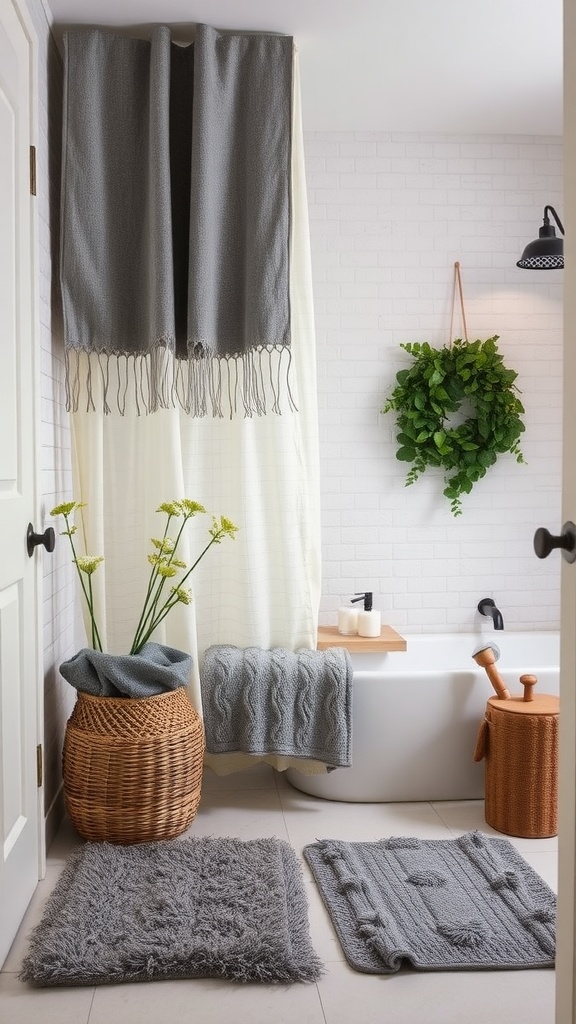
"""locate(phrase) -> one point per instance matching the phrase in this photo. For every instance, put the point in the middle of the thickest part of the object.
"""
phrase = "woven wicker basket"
(520, 743)
(133, 767)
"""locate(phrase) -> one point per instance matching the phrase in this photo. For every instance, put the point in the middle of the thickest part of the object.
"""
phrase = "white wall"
(390, 213)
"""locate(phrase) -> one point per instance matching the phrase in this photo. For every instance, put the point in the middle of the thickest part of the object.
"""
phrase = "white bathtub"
(416, 714)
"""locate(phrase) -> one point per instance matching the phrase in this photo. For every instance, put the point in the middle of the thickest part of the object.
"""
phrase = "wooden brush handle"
(486, 660)
(497, 682)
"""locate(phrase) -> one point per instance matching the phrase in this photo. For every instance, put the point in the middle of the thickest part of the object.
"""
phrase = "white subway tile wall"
(390, 214)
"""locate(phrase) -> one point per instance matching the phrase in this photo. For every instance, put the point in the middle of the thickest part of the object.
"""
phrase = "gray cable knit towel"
(470, 903)
(156, 669)
(278, 702)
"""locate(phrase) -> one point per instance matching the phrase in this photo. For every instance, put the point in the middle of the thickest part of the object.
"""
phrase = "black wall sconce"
(547, 251)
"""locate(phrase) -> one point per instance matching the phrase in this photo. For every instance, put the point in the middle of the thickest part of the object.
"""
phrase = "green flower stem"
(156, 579)
(95, 638)
(166, 608)
(151, 617)
(145, 614)
(87, 591)
(214, 540)
(148, 612)
(176, 543)
(171, 601)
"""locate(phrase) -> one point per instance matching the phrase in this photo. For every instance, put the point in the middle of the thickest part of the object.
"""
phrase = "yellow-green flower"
(165, 570)
(70, 532)
(179, 563)
(183, 595)
(171, 508)
(191, 508)
(228, 526)
(166, 546)
(67, 507)
(88, 563)
(221, 528)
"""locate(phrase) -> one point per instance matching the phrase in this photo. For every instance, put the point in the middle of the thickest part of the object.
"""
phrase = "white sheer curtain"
(262, 588)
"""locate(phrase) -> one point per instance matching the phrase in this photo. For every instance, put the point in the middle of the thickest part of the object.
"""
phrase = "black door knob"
(48, 539)
(545, 542)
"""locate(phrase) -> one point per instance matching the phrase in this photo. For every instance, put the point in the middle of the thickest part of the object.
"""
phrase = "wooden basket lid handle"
(528, 682)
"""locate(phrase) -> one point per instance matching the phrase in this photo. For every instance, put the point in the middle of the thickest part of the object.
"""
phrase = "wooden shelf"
(389, 640)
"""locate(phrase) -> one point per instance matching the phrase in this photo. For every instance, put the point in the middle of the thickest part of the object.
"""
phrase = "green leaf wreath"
(467, 377)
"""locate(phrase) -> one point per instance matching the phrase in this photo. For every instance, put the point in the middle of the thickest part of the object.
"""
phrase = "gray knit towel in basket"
(156, 669)
(279, 702)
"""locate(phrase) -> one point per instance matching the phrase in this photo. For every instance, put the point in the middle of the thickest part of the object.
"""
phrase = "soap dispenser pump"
(369, 623)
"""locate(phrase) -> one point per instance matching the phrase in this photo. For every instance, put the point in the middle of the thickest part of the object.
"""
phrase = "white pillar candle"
(348, 621)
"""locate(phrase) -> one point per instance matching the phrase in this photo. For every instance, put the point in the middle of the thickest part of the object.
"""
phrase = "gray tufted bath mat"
(471, 903)
(186, 908)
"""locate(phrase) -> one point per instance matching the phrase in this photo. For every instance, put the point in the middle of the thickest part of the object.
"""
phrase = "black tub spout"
(487, 607)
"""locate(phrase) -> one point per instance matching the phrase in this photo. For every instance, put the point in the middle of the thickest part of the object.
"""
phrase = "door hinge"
(33, 170)
(39, 765)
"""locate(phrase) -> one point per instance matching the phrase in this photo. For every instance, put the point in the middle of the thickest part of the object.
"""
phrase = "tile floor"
(262, 803)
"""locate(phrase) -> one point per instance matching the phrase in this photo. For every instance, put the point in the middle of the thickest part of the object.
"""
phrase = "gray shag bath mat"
(188, 908)
(471, 903)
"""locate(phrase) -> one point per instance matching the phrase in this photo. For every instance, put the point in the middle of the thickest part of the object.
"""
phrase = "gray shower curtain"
(176, 220)
(261, 471)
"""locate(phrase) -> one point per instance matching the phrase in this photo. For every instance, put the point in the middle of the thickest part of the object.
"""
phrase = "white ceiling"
(481, 66)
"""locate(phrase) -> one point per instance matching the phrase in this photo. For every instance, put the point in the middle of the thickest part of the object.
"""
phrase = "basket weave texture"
(521, 778)
(132, 768)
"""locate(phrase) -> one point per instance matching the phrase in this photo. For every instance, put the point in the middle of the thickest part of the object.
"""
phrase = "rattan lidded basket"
(132, 767)
(519, 741)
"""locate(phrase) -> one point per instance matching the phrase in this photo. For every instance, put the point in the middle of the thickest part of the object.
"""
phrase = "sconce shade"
(547, 251)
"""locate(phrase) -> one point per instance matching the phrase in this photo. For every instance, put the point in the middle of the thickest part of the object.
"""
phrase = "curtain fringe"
(254, 383)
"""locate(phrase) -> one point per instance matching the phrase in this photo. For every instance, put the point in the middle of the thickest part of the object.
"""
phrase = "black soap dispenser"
(369, 620)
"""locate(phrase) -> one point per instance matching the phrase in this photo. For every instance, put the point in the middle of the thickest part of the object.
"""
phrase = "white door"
(20, 816)
(566, 932)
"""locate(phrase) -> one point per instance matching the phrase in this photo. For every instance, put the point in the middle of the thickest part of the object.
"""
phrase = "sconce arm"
(555, 215)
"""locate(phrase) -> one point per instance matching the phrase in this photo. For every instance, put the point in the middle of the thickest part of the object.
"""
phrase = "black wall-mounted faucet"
(487, 607)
